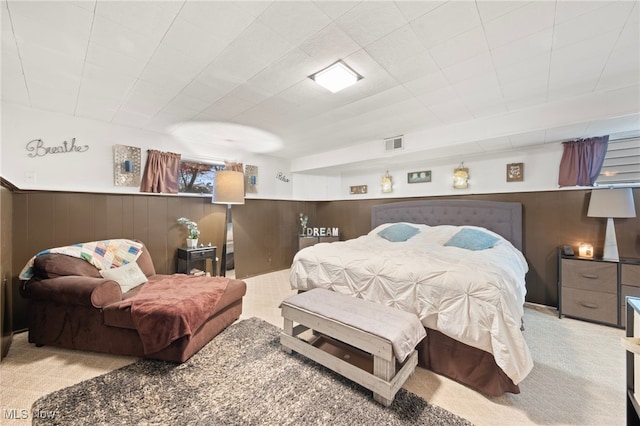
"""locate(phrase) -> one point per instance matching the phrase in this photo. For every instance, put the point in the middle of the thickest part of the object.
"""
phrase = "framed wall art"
(515, 172)
(419, 177)
(359, 189)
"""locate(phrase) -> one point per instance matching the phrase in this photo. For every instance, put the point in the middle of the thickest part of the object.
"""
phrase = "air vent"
(394, 143)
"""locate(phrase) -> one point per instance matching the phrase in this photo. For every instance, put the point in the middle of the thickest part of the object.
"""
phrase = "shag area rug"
(242, 377)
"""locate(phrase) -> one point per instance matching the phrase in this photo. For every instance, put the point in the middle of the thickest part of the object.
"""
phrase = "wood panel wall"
(6, 294)
(43, 220)
(551, 219)
(265, 231)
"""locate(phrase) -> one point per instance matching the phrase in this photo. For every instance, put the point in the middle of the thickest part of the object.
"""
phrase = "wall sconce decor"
(387, 183)
(461, 177)
(251, 176)
(585, 250)
(126, 165)
(515, 172)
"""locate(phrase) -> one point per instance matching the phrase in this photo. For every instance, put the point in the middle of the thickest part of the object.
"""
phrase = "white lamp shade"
(228, 187)
(612, 203)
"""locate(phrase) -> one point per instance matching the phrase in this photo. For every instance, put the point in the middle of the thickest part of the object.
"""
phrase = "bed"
(470, 301)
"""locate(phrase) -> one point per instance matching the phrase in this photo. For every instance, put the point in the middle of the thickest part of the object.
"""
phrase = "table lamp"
(228, 189)
(611, 203)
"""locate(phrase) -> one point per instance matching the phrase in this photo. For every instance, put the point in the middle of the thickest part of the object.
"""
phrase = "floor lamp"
(611, 203)
(228, 188)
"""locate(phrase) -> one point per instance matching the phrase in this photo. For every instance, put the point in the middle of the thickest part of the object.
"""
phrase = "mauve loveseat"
(72, 306)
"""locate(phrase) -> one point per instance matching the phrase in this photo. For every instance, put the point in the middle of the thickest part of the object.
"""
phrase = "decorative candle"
(585, 250)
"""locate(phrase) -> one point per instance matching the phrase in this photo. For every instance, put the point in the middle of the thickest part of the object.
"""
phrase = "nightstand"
(304, 241)
(595, 289)
(196, 257)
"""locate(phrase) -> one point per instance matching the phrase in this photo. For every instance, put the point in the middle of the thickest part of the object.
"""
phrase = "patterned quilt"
(104, 254)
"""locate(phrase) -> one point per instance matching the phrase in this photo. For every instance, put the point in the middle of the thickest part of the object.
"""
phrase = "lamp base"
(610, 243)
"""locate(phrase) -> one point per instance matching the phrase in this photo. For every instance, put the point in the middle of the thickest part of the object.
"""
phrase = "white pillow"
(128, 276)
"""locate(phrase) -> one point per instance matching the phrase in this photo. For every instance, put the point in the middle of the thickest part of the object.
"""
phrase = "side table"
(188, 258)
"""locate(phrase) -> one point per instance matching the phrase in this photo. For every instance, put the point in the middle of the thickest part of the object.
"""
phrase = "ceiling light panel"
(336, 77)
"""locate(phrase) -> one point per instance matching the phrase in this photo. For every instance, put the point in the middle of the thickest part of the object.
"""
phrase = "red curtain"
(582, 160)
(161, 172)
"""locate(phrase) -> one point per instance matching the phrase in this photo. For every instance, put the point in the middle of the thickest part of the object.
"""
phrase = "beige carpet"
(578, 378)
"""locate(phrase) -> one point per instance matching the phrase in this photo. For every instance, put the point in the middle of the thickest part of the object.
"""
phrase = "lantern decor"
(585, 250)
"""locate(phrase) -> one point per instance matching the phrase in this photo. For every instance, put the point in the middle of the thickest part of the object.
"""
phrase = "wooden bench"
(368, 343)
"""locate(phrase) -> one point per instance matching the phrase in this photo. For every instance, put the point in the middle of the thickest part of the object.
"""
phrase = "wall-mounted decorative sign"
(515, 172)
(359, 189)
(251, 179)
(461, 177)
(419, 177)
(282, 177)
(386, 183)
(322, 232)
(126, 165)
(37, 148)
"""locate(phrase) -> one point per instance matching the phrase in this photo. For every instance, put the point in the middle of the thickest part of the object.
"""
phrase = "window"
(196, 177)
(622, 161)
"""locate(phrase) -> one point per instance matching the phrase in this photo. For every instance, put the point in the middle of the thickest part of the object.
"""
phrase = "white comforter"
(475, 297)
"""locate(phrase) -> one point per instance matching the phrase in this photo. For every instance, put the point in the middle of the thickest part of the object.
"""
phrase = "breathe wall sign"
(37, 148)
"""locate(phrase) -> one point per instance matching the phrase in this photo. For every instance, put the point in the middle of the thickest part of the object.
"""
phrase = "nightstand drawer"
(202, 254)
(592, 305)
(588, 275)
(630, 275)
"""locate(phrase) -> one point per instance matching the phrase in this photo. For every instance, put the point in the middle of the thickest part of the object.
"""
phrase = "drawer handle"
(591, 276)
(589, 305)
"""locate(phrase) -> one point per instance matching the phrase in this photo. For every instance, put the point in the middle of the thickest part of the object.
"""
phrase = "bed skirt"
(463, 363)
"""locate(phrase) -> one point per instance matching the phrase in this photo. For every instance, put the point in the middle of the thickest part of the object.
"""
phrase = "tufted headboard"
(500, 217)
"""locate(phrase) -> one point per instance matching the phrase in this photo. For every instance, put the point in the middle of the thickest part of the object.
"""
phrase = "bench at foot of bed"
(370, 344)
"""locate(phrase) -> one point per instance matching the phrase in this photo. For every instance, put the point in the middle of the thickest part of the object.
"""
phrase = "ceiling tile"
(147, 98)
(335, 9)
(567, 10)
(460, 48)
(131, 119)
(369, 21)
(294, 21)
(114, 61)
(538, 44)
(51, 97)
(104, 83)
(415, 9)
(97, 107)
(451, 111)
(479, 64)
(201, 43)
(289, 70)
(445, 22)
(590, 25)
(490, 10)
(172, 68)
(427, 83)
(397, 46)
(328, 45)
(148, 18)
(519, 23)
(123, 40)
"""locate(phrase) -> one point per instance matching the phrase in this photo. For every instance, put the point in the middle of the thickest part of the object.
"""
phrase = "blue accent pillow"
(472, 239)
(398, 232)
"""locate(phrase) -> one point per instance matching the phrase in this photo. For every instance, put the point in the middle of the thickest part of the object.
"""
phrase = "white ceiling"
(509, 73)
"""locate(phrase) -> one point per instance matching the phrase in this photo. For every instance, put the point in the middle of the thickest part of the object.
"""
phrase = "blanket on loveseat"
(104, 254)
(173, 307)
